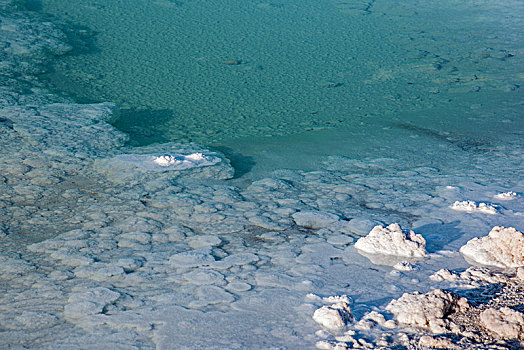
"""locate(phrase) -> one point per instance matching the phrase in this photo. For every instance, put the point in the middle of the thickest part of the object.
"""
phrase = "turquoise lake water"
(283, 84)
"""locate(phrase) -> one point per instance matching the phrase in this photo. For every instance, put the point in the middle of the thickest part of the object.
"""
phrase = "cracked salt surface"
(99, 252)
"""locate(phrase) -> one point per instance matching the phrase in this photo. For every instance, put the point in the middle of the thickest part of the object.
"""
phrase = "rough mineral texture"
(503, 322)
(392, 240)
(428, 311)
(333, 317)
(503, 247)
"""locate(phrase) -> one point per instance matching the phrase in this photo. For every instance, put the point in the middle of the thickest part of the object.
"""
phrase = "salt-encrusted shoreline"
(482, 308)
(96, 253)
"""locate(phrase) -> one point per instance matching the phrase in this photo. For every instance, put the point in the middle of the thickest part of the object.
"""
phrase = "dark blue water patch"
(33, 5)
(142, 126)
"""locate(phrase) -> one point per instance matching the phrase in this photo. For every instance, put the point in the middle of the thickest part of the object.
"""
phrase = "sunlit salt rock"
(333, 317)
(503, 323)
(472, 207)
(506, 196)
(429, 342)
(502, 247)
(315, 219)
(392, 240)
(428, 311)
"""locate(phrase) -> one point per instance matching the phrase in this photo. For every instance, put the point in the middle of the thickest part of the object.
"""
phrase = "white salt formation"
(506, 196)
(428, 311)
(392, 240)
(167, 162)
(503, 322)
(502, 247)
(335, 316)
(473, 207)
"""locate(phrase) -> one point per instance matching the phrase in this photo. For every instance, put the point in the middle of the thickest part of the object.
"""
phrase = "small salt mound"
(404, 266)
(392, 240)
(506, 196)
(165, 162)
(472, 207)
(428, 311)
(502, 247)
(333, 317)
(503, 323)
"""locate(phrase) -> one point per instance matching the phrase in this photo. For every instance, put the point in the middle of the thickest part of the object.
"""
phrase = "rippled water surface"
(299, 80)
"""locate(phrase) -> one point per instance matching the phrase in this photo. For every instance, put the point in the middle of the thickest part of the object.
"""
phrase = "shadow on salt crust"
(169, 160)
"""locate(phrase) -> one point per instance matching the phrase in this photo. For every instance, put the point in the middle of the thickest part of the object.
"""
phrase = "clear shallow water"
(237, 75)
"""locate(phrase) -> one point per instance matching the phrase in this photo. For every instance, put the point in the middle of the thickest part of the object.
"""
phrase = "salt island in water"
(252, 175)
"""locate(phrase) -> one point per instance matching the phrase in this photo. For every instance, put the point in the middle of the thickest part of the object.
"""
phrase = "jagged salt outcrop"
(502, 247)
(392, 240)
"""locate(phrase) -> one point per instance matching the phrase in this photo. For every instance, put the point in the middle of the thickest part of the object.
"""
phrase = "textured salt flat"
(96, 253)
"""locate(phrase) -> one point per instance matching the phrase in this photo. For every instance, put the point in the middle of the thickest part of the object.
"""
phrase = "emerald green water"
(294, 78)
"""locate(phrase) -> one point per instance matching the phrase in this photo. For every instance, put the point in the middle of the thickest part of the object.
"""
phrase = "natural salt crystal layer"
(335, 316)
(502, 247)
(315, 220)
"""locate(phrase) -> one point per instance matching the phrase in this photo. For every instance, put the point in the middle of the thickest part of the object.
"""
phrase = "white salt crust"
(504, 322)
(472, 207)
(392, 240)
(314, 220)
(502, 247)
(165, 161)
